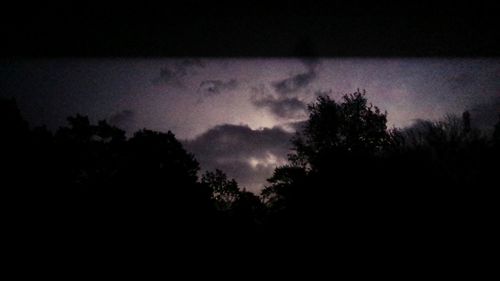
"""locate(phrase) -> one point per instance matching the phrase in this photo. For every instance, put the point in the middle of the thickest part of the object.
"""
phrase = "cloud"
(175, 72)
(122, 119)
(286, 108)
(294, 83)
(295, 126)
(298, 81)
(247, 155)
(215, 87)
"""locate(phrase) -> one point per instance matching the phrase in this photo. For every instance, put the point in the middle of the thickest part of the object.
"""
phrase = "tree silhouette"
(337, 140)
(466, 122)
(159, 177)
(496, 132)
(350, 127)
(349, 175)
(349, 181)
(239, 210)
(11, 121)
(225, 192)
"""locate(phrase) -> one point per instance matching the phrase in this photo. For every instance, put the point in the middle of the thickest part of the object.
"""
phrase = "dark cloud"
(298, 81)
(215, 87)
(123, 119)
(175, 73)
(297, 126)
(247, 155)
(294, 83)
(286, 108)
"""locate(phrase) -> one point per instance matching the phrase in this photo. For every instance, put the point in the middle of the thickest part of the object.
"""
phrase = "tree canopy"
(348, 178)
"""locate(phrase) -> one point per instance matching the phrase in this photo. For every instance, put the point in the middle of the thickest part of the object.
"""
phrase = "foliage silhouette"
(225, 192)
(351, 127)
(351, 178)
(496, 133)
(350, 184)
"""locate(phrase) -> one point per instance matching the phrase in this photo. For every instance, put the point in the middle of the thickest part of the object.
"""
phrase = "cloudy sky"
(238, 114)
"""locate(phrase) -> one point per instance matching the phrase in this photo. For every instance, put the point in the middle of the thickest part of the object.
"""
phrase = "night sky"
(238, 114)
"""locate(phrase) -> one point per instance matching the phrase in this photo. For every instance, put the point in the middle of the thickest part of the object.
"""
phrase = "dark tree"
(351, 127)
(239, 210)
(333, 172)
(225, 192)
(466, 122)
(350, 182)
(337, 137)
(159, 176)
(12, 123)
(14, 144)
(496, 133)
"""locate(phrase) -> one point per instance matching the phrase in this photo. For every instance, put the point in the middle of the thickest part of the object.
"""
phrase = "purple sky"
(236, 114)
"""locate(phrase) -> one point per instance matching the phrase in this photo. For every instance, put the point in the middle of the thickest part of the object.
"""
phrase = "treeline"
(348, 177)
